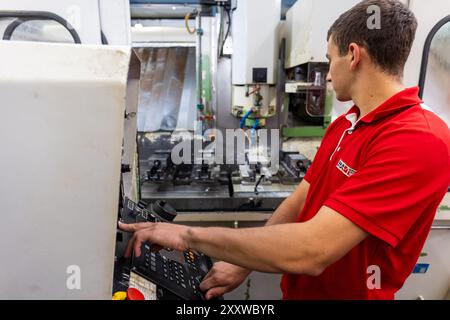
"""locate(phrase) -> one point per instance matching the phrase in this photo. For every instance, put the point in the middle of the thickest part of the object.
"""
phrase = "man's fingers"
(208, 283)
(138, 241)
(129, 249)
(209, 274)
(134, 227)
(126, 227)
(212, 271)
(215, 292)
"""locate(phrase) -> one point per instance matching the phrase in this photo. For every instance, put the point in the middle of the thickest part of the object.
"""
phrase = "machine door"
(61, 134)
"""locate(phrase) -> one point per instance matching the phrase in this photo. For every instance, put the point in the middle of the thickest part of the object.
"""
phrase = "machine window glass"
(435, 73)
(167, 97)
(39, 30)
(39, 26)
(285, 6)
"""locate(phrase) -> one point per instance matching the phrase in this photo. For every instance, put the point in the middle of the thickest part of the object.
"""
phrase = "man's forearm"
(283, 215)
(272, 249)
(290, 208)
(287, 212)
(296, 248)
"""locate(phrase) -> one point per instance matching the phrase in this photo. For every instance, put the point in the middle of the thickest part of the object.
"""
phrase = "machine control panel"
(177, 275)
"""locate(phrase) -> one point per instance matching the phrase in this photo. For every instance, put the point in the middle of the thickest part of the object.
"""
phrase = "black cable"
(228, 30)
(24, 16)
(19, 21)
(230, 184)
(426, 53)
(13, 26)
(258, 183)
(104, 39)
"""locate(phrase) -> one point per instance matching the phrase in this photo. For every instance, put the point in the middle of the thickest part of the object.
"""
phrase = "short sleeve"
(309, 174)
(403, 177)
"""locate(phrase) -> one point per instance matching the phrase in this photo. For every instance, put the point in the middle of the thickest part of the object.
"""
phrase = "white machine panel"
(83, 15)
(434, 284)
(115, 20)
(62, 129)
(129, 156)
(308, 22)
(255, 39)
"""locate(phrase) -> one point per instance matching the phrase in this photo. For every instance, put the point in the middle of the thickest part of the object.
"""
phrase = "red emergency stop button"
(134, 294)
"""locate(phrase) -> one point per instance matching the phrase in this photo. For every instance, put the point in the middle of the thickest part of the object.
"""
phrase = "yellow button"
(120, 296)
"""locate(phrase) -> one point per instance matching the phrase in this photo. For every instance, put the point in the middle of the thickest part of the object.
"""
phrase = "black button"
(260, 75)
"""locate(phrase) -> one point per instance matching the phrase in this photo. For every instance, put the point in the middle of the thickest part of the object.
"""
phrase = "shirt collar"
(400, 101)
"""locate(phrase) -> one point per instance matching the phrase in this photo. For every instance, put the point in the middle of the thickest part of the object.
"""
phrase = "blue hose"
(245, 118)
(256, 125)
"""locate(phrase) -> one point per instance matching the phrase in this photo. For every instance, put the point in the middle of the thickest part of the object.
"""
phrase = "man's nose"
(328, 77)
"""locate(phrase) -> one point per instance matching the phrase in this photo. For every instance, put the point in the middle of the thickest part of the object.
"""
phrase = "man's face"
(340, 74)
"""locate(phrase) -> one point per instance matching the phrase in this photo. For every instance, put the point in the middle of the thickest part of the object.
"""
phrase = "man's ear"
(354, 52)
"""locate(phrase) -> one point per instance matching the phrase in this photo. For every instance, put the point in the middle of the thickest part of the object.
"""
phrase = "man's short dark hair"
(388, 46)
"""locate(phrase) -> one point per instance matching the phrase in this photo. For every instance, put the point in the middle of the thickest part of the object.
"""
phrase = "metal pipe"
(440, 228)
(200, 104)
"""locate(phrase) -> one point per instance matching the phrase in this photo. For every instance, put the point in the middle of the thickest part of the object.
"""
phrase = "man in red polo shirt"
(356, 225)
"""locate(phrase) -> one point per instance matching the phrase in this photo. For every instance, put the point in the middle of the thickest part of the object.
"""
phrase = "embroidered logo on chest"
(345, 169)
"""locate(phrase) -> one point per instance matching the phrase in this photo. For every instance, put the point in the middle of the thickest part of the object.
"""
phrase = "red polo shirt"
(387, 173)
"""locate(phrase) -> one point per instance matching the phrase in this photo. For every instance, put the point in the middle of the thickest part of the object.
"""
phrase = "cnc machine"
(169, 112)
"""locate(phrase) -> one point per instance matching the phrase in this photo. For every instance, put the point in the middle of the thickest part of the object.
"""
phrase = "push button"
(121, 295)
(134, 294)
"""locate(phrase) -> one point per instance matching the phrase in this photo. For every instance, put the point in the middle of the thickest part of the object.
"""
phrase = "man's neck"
(370, 94)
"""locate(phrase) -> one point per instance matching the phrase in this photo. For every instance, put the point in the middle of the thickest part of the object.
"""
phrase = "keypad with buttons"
(190, 259)
(176, 275)
(181, 279)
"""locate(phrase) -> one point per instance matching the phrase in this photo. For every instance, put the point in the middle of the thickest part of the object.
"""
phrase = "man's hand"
(223, 278)
(161, 235)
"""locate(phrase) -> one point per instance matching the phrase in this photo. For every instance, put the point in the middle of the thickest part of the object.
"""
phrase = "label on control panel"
(147, 288)
(421, 268)
(130, 205)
